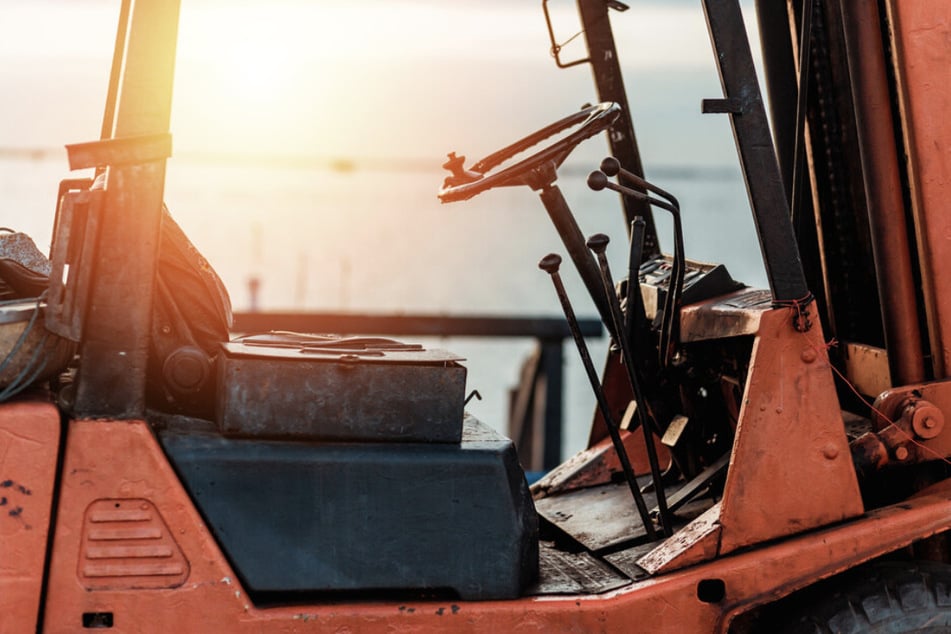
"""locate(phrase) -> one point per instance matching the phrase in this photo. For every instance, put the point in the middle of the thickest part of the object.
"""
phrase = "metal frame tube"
(883, 190)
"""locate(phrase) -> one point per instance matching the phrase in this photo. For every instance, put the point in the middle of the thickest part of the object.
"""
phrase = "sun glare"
(339, 78)
(257, 78)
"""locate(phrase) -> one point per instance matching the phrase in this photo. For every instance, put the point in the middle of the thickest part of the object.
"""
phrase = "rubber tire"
(883, 597)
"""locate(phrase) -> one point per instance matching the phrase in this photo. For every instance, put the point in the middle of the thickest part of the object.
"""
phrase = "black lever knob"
(610, 166)
(550, 263)
(597, 180)
(598, 243)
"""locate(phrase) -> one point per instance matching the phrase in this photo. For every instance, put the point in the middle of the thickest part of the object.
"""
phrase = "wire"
(797, 306)
(556, 48)
(38, 359)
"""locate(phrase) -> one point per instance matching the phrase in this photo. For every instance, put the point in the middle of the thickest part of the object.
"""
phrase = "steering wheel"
(463, 184)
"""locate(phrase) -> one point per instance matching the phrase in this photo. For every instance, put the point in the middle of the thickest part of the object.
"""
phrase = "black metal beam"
(764, 183)
(779, 68)
(603, 57)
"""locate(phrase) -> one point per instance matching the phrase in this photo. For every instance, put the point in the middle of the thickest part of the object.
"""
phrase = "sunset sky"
(394, 83)
(371, 78)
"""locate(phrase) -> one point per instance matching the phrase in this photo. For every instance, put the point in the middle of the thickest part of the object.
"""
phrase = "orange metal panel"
(29, 443)
(921, 32)
(112, 460)
(599, 464)
(696, 543)
(890, 238)
(790, 440)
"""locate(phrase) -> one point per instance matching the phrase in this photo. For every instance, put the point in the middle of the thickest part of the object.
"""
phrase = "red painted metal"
(883, 190)
(599, 465)
(29, 444)
(790, 439)
(921, 44)
(108, 460)
(129, 546)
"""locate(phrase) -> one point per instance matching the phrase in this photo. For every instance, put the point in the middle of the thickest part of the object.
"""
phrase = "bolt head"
(927, 421)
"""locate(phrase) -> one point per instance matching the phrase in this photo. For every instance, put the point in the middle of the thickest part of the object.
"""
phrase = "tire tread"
(883, 597)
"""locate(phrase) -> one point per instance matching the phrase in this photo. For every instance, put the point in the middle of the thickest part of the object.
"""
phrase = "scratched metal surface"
(573, 573)
(598, 517)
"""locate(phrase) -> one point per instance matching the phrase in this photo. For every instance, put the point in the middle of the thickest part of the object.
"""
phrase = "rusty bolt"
(830, 451)
(808, 355)
(927, 421)
(901, 453)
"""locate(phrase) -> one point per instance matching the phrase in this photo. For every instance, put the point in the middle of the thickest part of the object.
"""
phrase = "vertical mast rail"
(754, 144)
(603, 57)
(114, 349)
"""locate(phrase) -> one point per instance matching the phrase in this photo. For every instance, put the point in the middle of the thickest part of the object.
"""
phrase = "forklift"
(759, 460)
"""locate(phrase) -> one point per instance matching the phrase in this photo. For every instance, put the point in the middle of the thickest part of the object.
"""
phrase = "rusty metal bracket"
(77, 230)
(909, 422)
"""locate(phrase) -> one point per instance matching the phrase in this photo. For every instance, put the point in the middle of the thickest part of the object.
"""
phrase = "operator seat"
(191, 318)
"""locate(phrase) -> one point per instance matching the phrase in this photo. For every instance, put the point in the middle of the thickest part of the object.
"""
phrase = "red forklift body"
(739, 474)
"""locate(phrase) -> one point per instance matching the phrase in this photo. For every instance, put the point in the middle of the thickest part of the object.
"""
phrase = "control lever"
(567, 227)
(550, 264)
(670, 326)
(598, 243)
(636, 314)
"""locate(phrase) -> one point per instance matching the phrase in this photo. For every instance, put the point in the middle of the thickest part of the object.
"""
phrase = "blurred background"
(308, 140)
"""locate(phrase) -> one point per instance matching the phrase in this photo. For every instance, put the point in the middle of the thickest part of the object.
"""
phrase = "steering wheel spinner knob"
(460, 175)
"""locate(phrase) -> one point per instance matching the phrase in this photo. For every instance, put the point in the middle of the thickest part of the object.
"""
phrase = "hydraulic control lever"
(636, 315)
(571, 236)
(598, 243)
(550, 264)
(670, 324)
